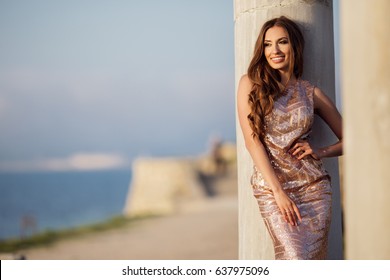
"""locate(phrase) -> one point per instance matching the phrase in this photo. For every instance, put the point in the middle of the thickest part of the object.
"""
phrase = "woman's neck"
(286, 79)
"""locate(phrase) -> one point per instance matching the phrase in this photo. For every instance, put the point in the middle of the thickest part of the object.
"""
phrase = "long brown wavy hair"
(267, 86)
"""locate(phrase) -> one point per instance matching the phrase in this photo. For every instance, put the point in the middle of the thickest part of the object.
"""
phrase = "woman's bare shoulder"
(245, 85)
(245, 80)
(322, 101)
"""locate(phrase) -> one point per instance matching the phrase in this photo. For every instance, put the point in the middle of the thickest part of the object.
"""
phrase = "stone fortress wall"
(161, 186)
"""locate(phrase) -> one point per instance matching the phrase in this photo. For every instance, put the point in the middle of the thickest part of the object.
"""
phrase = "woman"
(275, 109)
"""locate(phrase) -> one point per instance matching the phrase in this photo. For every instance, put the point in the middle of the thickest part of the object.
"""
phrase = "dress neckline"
(292, 84)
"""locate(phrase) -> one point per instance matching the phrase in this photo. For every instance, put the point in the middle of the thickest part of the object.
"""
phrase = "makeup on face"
(277, 48)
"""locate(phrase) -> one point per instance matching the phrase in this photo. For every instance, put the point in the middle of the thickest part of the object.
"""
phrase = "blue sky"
(106, 81)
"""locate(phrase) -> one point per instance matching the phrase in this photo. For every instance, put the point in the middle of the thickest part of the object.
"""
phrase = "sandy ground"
(206, 229)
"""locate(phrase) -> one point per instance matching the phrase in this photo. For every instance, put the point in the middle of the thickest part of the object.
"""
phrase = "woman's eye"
(283, 42)
(267, 44)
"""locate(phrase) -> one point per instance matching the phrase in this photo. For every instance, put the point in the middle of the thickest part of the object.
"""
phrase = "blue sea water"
(58, 200)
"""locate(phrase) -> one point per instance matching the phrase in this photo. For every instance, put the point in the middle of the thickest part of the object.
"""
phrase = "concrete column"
(316, 20)
(365, 55)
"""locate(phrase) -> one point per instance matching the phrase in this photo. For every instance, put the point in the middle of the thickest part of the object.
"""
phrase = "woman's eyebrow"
(281, 38)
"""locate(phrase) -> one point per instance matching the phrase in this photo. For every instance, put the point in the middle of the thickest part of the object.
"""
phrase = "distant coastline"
(13, 245)
(59, 200)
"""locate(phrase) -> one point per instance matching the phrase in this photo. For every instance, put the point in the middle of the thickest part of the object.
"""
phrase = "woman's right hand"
(287, 207)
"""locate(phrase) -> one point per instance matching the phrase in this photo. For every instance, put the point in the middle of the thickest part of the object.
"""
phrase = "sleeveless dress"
(305, 181)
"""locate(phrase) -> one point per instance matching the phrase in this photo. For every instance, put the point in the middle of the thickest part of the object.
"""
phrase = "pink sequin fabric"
(305, 181)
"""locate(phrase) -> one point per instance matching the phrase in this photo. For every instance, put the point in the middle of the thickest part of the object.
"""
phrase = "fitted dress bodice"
(291, 120)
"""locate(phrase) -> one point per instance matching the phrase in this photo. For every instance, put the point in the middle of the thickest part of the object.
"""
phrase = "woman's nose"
(275, 49)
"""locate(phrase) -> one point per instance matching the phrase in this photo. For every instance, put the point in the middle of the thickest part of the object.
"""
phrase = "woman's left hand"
(303, 148)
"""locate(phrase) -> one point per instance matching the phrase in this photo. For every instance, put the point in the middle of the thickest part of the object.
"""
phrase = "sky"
(90, 84)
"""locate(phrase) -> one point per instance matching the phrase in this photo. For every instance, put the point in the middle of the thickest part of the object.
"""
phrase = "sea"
(35, 202)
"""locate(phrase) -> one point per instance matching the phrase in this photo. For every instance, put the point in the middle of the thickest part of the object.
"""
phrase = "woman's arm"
(259, 154)
(325, 108)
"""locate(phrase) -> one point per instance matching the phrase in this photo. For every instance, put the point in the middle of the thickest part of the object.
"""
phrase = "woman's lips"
(277, 59)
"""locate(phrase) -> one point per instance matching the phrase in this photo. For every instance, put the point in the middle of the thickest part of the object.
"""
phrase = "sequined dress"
(305, 181)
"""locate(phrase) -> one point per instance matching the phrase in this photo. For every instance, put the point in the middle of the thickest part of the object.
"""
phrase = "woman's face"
(277, 48)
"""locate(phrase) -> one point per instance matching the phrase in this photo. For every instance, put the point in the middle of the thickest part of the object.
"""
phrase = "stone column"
(316, 20)
(365, 56)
